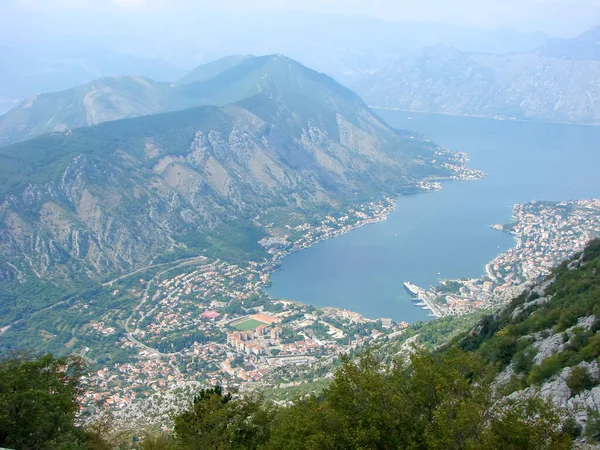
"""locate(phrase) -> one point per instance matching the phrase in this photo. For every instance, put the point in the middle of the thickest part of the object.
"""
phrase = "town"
(213, 324)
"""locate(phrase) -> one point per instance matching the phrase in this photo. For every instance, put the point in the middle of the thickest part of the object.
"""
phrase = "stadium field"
(248, 325)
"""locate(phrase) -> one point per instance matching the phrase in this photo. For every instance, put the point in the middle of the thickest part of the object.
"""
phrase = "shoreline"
(475, 116)
(274, 265)
(540, 244)
(392, 202)
(427, 185)
(491, 287)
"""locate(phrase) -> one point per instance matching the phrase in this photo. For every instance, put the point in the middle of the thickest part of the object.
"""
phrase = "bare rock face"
(548, 347)
(556, 388)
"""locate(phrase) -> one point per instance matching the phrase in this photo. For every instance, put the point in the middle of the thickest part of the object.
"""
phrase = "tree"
(442, 400)
(218, 421)
(580, 380)
(38, 402)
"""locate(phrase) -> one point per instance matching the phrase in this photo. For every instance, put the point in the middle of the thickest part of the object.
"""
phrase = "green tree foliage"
(216, 421)
(592, 429)
(438, 401)
(580, 380)
(38, 402)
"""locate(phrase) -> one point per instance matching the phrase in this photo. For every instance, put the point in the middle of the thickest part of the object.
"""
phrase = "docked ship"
(412, 289)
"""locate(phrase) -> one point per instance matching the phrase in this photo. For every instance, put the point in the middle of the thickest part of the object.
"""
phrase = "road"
(128, 331)
(143, 269)
(182, 262)
(7, 327)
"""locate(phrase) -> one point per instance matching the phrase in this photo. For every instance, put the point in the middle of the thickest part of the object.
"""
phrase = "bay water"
(445, 234)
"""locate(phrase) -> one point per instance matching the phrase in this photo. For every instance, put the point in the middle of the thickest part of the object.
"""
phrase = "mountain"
(31, 70)
(554, 83)
(93, 103)
(212, 69)
(82, 205)
(547, 340)
(585, 47)
(115, 98)
(331, 44)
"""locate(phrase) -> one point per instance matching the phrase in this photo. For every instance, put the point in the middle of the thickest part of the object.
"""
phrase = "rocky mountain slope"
(93, 103)
(548, 341)
(557, 82)
(92, 202)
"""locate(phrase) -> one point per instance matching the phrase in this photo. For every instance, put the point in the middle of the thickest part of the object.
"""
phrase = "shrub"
(580, 380)
(592, 428)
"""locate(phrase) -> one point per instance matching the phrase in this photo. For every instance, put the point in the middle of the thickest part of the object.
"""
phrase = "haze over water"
(446, 234)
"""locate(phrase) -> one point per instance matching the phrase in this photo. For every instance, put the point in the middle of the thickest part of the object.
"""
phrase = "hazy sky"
(562, 17)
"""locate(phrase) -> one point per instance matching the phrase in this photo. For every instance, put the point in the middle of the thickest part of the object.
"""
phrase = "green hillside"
(564, 312)
(96, 102)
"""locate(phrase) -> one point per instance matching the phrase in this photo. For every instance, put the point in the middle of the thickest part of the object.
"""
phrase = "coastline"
(461, 172)
(477, 116)
(545, 234)
(379, 211)
(274, 264)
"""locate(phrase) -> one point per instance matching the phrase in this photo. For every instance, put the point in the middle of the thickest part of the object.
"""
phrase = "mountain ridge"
(125, 97)
(555, 83)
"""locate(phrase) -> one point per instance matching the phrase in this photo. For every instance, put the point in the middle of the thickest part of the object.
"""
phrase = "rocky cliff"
(547, 341)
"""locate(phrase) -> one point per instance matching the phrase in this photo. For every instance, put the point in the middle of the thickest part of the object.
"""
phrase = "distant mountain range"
(87, 203)
(38, 59)
(585, 47)
(345, 47)
(29, 70)
(556, 82)
(210, 70)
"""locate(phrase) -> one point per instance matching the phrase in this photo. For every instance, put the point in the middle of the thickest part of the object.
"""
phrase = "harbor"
(423, 299)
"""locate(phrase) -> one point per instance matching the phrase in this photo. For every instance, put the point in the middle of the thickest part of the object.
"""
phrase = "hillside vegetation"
(548, 338)
(437, 401)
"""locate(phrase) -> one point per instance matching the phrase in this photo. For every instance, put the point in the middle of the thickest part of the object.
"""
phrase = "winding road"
(129, 333)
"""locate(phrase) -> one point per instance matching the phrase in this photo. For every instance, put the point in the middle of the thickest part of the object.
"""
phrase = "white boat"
(412, 289)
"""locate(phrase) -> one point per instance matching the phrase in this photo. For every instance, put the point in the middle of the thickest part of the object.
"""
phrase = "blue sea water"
(446, 234)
